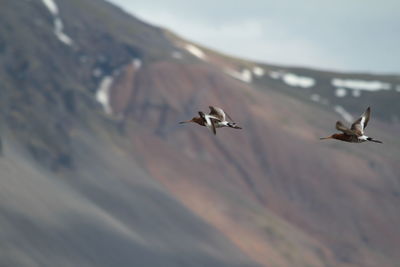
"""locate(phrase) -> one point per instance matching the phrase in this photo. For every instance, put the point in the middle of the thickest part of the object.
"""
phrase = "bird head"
(197, 120)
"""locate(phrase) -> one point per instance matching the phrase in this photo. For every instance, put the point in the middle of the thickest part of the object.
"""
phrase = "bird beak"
(184, 122)
(237, 127)
(324, 138)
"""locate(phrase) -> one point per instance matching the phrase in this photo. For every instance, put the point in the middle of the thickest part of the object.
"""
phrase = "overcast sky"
(346, 35)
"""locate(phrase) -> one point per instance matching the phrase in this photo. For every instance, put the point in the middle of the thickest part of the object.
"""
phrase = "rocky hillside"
(96, 171)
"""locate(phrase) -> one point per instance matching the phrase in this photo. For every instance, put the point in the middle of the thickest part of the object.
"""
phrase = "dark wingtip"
(375, 141)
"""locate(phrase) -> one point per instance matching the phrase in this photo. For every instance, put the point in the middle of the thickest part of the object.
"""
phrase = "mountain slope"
(98, 172)
(270, 167)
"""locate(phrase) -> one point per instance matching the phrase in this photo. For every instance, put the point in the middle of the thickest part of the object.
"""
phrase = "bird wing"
(210, 123)
(361, 123)
(229, 117)
(219, 113)
(213, 127)
(340, 127)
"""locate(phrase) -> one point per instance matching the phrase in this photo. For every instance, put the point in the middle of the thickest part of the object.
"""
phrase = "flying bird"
(215, 119)
(356, 133)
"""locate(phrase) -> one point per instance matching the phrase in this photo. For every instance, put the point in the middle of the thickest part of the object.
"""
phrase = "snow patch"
(58, 24)
(244, 75)
(58, 31)
(275, 75)
(298, 81)
(292, 79)
(137, 63)
(342, 112)
(51, 6)
(371, 86)
(194, 50)
(103, 94)
(340, 92)
(258, 71)
(318, 99)
(356, 93)
(315, 97)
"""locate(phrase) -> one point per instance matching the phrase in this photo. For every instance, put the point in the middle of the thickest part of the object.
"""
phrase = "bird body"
(209, 121)
(356, 133)
(347, 138)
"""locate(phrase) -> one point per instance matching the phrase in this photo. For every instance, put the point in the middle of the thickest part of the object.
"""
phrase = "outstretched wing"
(361, 123)
(219, 113)
(340, 127)
(211, 124)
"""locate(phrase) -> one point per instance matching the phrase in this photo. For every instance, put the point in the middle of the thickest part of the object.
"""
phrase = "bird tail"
(233, 125)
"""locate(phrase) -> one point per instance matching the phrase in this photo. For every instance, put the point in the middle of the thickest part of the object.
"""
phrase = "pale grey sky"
(344, 35)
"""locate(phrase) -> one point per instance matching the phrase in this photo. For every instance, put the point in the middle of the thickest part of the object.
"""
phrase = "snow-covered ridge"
(292, 79)
(371, 86)
(58, 24)
(194, 50)
(342, 112)
(244, 75)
